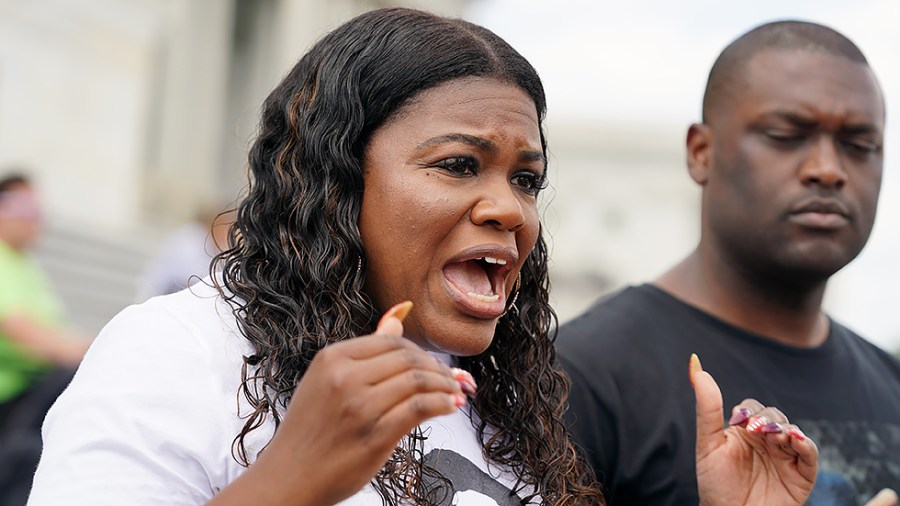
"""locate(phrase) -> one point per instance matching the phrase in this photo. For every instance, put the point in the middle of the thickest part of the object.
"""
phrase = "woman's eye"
(459, 165)
(530, 182)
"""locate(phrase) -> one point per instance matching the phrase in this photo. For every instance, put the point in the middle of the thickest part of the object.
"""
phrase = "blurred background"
(134, 116)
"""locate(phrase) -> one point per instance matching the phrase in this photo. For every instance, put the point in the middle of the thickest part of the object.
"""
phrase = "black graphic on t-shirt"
(859, 459)
(464, 475)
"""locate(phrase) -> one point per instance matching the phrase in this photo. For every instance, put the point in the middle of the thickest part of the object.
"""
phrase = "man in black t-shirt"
(789, 158)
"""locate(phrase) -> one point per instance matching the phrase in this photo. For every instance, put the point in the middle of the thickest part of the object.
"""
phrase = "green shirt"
(26, 291)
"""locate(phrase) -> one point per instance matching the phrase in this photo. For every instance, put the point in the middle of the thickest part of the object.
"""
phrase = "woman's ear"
(699, 152)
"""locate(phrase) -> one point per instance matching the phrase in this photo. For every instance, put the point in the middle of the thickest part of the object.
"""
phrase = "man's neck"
(783, 313)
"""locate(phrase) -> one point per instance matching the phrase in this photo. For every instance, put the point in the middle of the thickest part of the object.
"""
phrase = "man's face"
(20, 216)
(794, 164)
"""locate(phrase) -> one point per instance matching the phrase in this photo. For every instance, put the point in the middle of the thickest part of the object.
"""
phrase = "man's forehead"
(777, 65)
(812, 77)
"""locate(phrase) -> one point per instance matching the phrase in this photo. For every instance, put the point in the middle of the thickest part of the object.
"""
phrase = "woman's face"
(449, 212)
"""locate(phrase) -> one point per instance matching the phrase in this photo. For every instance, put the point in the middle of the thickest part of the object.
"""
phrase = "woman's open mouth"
(477, 282)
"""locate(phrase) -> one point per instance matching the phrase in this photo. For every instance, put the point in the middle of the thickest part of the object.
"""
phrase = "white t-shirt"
(153, 410)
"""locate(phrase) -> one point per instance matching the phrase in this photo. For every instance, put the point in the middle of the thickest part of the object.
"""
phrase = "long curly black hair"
(295, 270)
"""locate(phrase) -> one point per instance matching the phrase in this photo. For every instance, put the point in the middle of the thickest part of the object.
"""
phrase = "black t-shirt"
(632, 406)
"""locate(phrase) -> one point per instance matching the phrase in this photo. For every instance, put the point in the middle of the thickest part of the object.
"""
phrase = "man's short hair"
(12, 179)
(779, 35)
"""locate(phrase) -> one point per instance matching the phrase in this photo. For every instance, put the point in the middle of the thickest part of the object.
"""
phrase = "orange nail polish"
(399, 312)
(694, 366)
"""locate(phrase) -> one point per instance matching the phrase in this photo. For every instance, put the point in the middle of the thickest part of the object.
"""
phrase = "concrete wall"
(133, 114)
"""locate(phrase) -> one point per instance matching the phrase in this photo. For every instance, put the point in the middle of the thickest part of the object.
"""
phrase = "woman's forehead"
(465, 91)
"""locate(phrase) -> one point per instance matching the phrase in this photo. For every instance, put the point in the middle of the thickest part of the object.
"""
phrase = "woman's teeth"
(484, 298)
(491, 297)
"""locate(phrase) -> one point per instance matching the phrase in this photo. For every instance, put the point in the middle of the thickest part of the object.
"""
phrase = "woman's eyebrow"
(480, 143)
(477, 142)
(533, 156)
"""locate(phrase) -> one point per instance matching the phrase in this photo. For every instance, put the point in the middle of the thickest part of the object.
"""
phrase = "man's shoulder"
(620, 326)
(617, 315)
(863, 348)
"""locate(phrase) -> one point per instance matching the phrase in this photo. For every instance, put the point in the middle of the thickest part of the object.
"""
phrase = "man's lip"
(820, 213)
(821, 221)
(822, 206)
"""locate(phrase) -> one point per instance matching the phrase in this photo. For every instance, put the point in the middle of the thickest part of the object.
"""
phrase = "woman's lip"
(474, 307)
(507, 254)
(471, 306)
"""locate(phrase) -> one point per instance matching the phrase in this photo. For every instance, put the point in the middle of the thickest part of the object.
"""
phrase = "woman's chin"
(461, 340)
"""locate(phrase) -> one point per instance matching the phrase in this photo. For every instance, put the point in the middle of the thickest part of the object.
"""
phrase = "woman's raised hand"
(356, 401)
(760, 459)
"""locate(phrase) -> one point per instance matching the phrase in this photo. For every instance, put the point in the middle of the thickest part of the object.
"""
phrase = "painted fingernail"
(465, 380)
(458, 400)
(466, 388)
(757, 423)
(399, 312)
(740, 416)
(797, 433)
(772, 428)
(462, 375)
(694, 366)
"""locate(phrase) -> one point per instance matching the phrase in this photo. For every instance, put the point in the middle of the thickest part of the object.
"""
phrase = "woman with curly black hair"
(393, 196)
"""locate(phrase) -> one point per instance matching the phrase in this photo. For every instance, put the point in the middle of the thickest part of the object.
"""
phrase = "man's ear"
(699, 152)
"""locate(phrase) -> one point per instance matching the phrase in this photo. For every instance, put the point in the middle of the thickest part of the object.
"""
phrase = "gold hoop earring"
(512, 302)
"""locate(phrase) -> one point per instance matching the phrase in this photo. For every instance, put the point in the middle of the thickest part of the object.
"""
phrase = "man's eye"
(784, 137)
(530, 182)
(459, 165)
(862, 146)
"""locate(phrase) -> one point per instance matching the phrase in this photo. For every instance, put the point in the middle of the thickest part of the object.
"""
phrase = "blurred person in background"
(390, 233)
(37, 354)
(186, 254)
(789, 158)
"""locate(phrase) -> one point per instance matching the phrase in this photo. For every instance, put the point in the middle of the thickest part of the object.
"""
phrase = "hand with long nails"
(759, 459)
(356, 401)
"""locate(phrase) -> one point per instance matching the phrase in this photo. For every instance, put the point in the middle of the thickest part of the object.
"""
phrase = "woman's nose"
(499, 205)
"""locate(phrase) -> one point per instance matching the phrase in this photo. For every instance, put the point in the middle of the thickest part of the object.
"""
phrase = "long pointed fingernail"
(694, 366)
(398, 311)
(772, 428)
(465, 380)
(756, 424)
(458, 400)
(740, 416)
(797, 433)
